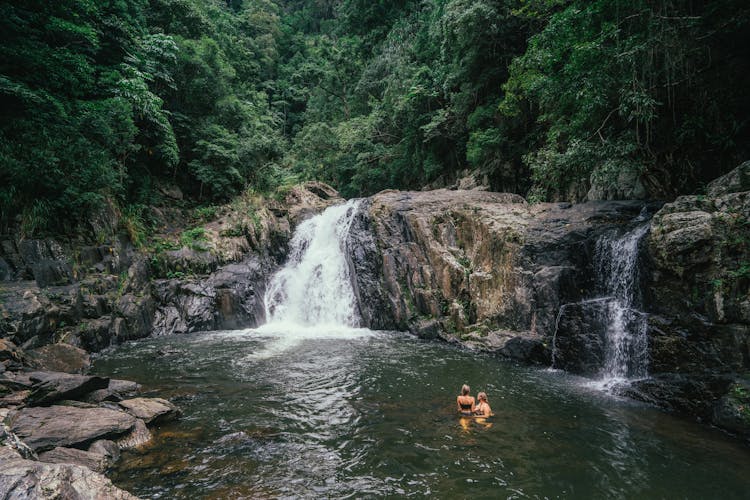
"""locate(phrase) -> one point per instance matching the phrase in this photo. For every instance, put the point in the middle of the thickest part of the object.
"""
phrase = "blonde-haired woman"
(483, 409)
(465, 401)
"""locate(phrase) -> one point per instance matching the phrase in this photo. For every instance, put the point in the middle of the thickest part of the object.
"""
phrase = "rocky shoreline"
(61, 430)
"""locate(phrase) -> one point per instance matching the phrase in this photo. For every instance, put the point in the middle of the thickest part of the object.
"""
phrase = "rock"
(98, 334)
(688, 394)
(137, 438)
(21, 478)
(116, 391)
(52, 272)
(6, 274)
(230, 298)
(49, 427)
(476, 261)
(55, 386)
(308, 199)
(138, 276)
(59, 357)
(736, 181)
(9, 351)
(9, 441)
(732, 412)
(699, 305)
(137, 314)
(366, 264)
(106, 448)
(94, 461)
(15, 399)
(150, 410)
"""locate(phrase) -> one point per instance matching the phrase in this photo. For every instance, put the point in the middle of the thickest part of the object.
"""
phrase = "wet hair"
(482, 396)
(465, 390)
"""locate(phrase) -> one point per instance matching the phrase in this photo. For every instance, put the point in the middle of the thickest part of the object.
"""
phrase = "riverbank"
(60, 431)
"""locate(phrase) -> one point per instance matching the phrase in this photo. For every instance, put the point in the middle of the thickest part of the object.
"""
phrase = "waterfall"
(609, 332)
(625, 340)
(314, 286)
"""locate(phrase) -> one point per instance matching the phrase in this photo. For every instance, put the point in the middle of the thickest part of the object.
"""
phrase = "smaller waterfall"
(609, 332)
(626, 343)
(314, 286)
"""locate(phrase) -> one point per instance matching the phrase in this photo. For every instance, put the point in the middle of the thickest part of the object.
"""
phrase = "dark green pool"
(353, 415)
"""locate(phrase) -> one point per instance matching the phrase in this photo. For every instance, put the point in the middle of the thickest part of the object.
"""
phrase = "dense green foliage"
(553, 99)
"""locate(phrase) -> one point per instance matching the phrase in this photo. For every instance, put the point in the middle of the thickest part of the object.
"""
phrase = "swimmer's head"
(465, 390)
(482, 396)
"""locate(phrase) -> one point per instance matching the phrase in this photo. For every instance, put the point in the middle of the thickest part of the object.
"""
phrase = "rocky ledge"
(60, 431)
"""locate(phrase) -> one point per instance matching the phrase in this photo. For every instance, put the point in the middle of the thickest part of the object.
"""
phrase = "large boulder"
(231, 297)
(50, 387)
(44, 428)
(21, 478)
(59, 357)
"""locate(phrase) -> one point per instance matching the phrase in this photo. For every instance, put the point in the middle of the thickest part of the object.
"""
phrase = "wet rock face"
(482, 268)
(230, 298)
(698, 294)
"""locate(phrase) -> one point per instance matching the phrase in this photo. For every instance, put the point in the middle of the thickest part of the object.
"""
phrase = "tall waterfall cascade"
(625, 340)
(314, 287)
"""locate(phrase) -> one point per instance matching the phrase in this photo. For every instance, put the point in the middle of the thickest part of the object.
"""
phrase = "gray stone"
(106, 448)
(94, 461)
(137, 313)
(49, 427)
(137, 438)
(51, 273)
(116, 391)
(736, 181)
(150, 410)
(55, 386)
(59, 357)
(21, 478)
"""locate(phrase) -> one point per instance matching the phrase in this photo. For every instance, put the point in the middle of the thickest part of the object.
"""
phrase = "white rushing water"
(313, 291)
(626, 343)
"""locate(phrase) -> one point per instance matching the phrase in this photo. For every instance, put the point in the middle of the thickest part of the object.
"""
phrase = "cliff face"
(698, 294)
(484, 269)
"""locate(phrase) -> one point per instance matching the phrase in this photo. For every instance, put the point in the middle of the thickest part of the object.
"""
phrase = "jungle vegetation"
(106, 100)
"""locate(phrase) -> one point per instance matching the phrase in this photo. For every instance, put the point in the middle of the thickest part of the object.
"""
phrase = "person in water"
(466, 403)
(483, 408)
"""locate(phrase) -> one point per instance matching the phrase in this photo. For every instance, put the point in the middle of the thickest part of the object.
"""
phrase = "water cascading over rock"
(625, 341)
(314, 287)
(608, 333)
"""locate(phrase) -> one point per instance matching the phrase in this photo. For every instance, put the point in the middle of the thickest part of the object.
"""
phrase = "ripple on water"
(356, 414)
